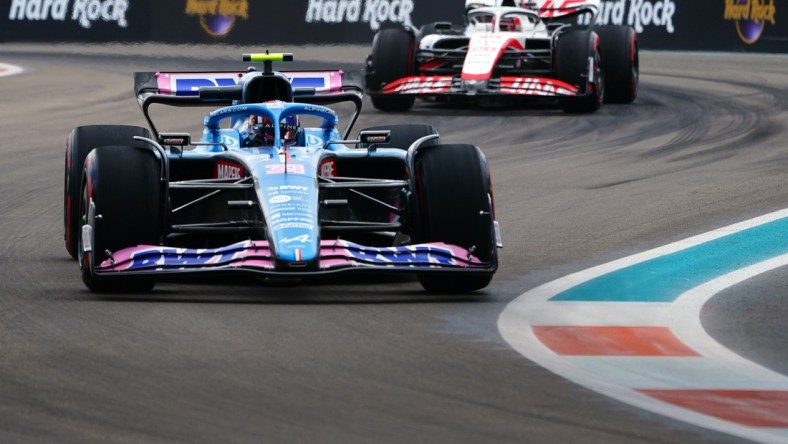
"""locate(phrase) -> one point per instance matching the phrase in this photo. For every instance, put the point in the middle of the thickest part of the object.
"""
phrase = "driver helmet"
(288, 128)
(260, 131)
(511, 24)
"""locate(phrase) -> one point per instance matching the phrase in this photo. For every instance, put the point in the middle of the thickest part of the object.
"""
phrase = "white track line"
(618, 377)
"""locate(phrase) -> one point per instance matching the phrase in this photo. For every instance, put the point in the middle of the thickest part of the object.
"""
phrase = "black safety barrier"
(75, 20)
(708, 25)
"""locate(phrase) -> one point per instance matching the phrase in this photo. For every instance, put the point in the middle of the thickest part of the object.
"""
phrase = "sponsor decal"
(180, 141)
(228, 170)
(180, 257)
(328, 168)
(319, 110)
(419, 85)
(231, 110)
(282, 198)
(312, 139)
(296, 225)
(483, 53)
(287, 188)
(750, 17)
(533, 86)
(188, 84)
(414, 254)
(319, 80)
(556, 8)
(373, 12)
(635, 13)
(217, 17)
(302, 239)
(83, 12)
(281, 168)
(230, 141)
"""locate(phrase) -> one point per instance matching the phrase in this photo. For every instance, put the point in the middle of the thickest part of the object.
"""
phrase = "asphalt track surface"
(346, 360)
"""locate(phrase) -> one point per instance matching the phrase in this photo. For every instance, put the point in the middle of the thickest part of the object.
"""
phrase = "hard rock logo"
(217, 17)
(750, 17)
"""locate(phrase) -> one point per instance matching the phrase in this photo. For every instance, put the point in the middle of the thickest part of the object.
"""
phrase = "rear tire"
(80, 142)
(392, 58)
(572, 54)
(455, 207)
(620, 63)
(402, 136)
(124, 185)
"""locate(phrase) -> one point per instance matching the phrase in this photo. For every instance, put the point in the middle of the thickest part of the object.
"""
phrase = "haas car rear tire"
(392, 58)
(122, 184)
(455, 207)
(620, 63)
(80, 142)
(402, 136)
(574, 50)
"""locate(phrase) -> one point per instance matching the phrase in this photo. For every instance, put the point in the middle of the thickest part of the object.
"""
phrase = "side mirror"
(175, 139)
(374, 136)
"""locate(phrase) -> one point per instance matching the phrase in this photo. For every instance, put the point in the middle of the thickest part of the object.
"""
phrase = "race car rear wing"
(547, 10)
(569, 8)
(222, 88)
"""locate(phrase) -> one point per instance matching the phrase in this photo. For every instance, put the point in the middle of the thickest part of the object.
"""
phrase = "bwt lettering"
(373, 12)
(84, 12)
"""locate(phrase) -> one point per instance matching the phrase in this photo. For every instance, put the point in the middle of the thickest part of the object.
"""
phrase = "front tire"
(79, 143)
(621, 63)
(455, 206)
(123, 185)
(573, 52)
(392, 58)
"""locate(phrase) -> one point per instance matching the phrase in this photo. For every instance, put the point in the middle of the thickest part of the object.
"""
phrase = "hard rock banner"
(708, 25)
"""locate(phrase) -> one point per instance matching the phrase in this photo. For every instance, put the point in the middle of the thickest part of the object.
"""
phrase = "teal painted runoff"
(665, 278)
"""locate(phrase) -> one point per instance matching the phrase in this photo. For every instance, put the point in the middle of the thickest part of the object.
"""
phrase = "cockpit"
(502, 20)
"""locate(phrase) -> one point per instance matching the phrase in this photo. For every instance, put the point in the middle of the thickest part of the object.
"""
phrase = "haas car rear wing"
(547, 9)
(223, 88)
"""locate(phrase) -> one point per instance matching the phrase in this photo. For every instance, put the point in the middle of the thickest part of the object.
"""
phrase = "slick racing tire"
(392, 58)
(123, 184)
(402, 136)
(79, 143)
(620, 62)
(573, 51)
(455, 207)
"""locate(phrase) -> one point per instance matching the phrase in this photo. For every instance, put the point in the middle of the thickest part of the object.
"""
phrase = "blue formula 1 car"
(272, 189)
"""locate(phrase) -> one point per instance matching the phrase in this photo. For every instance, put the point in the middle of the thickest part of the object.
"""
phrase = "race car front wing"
(257, 257)
(504, 85)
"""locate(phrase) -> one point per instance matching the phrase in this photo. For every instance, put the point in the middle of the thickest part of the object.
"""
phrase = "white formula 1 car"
(507, 48)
